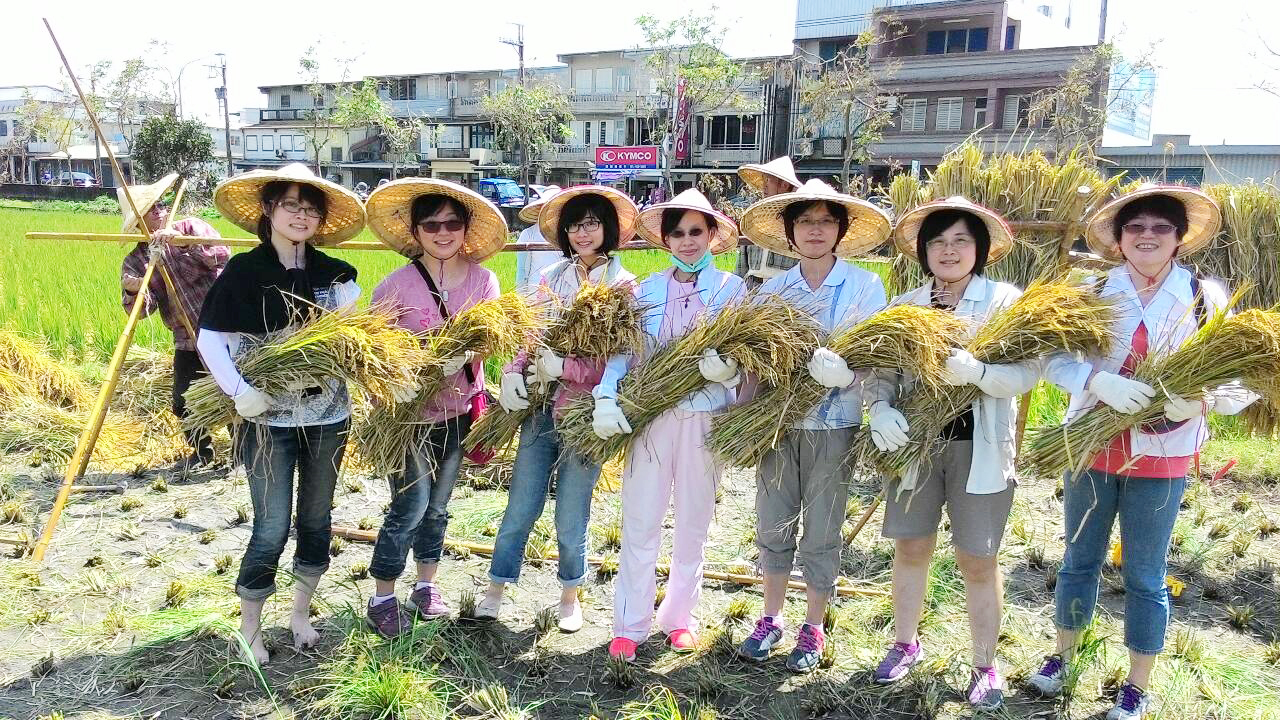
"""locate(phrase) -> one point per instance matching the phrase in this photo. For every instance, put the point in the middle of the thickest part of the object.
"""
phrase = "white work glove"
(962, 368)
(251, 402)
(1179, 409)
(608, 419)
(829, 369)
(546, 368)
(717, 368)
(453, 365)
(156, 250)
(888, 427)
(513, 396)
(1126, 395)
(407, 393)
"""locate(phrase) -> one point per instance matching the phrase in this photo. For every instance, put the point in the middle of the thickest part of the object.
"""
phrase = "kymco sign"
(641, 157)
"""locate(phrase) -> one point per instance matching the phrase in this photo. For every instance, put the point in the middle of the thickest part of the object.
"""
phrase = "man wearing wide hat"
(192, 268)
(755, 264)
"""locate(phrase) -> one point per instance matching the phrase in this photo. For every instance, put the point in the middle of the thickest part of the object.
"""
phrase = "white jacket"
(995, 414)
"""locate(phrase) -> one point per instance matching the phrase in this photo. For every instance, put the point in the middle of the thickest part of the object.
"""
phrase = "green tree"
(321, 125)
(527, 119)
(363, 107)
(1075, 111)
(685, 57)
(45, 122)
(166, 144)
(845, 94)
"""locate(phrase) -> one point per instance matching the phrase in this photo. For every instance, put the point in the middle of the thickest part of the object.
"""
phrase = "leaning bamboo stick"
(84, 446)
(182, 240)
(164, 271)
(842, 590)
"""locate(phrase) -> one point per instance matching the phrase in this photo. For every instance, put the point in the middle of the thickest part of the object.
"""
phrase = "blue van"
(503, 192)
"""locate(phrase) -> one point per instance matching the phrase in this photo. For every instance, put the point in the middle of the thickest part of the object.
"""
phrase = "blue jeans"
(419, 510)
(1147, 508)
(540, 452)
(270, 456)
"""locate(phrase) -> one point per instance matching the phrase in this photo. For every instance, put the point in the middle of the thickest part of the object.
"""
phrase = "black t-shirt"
(962, 427)
(255, 293)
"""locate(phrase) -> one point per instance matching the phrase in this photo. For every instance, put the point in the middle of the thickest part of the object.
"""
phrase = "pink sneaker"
(682, 641)
(623, 648)
(897, 663)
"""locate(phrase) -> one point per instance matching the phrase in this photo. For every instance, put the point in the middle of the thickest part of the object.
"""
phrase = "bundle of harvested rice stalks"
(603, 320)
(41, 374)
(1050, 317)
(1249, 245)
(145, 387)
(903, 337)
(363, 347)
(47, 433)
(769, 339)
(1244, 347)
(493, 328)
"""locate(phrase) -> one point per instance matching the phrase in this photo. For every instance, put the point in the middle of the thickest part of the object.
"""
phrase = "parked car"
(538, 192)
(77, 179)
(503, 192)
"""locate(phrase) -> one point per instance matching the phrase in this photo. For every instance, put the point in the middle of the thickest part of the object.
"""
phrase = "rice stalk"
(601, 321)
(1249, 245)
(902, 337)
(26, 368)
(1244, 347)
(364, 348)
(769, 339)
(48, 434)
(1050, 317)
(497, 327)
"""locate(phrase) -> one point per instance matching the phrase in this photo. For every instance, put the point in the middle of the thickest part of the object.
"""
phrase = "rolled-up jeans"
(541, 451)
(1147, 508)
(419, 510)
(270, 456)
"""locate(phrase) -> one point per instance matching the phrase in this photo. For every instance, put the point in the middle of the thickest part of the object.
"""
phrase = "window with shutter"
(913, 112)
(950, 112)
(1010, 119)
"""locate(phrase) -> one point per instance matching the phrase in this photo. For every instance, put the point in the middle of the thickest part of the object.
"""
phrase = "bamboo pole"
(84, 445)
(866, 515)
(164, 271)
(350, 533)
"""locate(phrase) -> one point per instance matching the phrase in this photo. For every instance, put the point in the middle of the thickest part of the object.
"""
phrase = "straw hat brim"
(868, 225)
(239, 199)
(529, 213)
(754, 176)
(649, 226)
(549, 217)
(144, 197)
(1204, 220)
(389, 208)
(908, 228)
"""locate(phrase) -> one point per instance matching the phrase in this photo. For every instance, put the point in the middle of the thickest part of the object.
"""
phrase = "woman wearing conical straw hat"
(588, 223)
(193, 269)
(447, 231)
(972, 473)
(1141, 474)
(806, 476)
(531, 263)
(756, 264)
(263, 291)
(668, 460)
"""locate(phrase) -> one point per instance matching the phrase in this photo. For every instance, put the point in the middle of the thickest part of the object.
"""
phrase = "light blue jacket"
(717, 289)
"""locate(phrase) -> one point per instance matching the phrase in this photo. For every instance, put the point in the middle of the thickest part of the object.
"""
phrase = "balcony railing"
(291, 114)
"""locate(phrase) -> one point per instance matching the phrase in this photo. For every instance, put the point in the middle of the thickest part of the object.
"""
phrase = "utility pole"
(97, 143)
(518, 44)
(226, 111)
(1102, 23)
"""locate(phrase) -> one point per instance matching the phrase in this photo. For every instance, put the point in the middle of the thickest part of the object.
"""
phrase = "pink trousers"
(667, 459)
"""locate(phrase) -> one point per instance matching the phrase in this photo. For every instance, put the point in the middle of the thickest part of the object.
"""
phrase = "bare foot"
(257, 650)
(305, 636)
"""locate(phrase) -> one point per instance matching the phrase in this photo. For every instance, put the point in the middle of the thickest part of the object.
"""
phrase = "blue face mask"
(702, 263)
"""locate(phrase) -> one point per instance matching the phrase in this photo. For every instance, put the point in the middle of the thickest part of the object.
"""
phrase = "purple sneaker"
(897, 663)
(427, 602)
(756, 647)
(1132, 703)
(1048, 681)
(386, 619)
(986, 690)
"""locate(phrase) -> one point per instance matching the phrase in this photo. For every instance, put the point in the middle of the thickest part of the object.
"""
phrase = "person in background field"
(669, 459)
(302, 431)
(756, 264)
(1139, 477)
(193, 269)
(531, 263)
(971, 471)
(805, 478)
(588, 224)
(447, 231)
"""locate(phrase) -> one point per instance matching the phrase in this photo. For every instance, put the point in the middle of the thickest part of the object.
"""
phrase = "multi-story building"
(1173, 159)
(951, 70)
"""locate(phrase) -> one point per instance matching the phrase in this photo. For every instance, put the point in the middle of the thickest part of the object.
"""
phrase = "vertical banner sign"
(682, 123)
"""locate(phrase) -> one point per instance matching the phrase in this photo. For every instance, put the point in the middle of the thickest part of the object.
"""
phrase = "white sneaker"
(1132, 703)
(1048, 681)
(571, 617)
(487, 608)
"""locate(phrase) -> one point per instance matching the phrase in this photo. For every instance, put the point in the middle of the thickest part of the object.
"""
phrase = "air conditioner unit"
(802, 148)
(891, 103)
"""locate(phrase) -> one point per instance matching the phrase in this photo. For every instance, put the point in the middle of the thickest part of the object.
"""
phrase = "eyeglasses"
(1136, 228)
(588, 225)
(432, 227)
(960, 243)
(678, 234)
(823, 222)
(293, 207)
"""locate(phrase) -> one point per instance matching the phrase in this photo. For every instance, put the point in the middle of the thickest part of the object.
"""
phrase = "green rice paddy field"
(132, 615)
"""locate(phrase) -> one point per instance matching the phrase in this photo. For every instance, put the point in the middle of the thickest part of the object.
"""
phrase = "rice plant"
(159, 484)
(337, 546)
(1240, 616)
(208, 536)
(619, 673)
(223, 563)
(738, 609)
(179, 510)
(367, 523)
(242, 515)
(13, 513)
(177, 594)
(130, 502)
(129, 531)
(358, 571)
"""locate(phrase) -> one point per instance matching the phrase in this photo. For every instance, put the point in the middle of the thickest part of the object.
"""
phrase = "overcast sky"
(1210, 54)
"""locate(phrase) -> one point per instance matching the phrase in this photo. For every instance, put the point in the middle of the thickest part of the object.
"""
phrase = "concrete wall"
(22, 191)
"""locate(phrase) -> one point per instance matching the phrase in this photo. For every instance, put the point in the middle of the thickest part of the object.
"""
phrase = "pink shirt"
(683, 305)
(416, 310)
